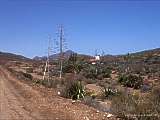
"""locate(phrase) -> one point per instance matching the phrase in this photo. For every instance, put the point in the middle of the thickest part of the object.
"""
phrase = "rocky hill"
(5, 57)
(66, 54)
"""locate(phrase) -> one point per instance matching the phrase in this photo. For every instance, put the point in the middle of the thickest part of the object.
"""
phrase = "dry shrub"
(29, 70)
(52, 82)
(136, 107)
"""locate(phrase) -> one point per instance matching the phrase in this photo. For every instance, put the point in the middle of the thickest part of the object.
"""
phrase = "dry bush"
(20, 75)
(52, 82)
(29, 70)
(136, 107)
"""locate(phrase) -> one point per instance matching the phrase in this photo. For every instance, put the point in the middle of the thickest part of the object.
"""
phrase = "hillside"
(142, 55)
(6, 57)
(143, 63)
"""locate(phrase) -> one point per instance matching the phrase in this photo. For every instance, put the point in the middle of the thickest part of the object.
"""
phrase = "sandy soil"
(24, 100)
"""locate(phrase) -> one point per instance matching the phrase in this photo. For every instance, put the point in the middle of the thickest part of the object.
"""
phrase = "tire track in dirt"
(20, 101)
(10, 107)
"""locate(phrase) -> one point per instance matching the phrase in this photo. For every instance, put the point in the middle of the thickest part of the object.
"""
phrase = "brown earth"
(24, 100)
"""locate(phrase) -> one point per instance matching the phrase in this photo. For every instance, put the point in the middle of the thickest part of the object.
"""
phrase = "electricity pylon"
(62, 47)
(61, 51)
(47, 65)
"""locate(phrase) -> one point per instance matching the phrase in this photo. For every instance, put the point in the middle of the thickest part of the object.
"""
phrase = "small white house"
(97, 57)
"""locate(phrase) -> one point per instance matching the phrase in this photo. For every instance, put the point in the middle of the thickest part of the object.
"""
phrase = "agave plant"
(109, 91)
(76, 90)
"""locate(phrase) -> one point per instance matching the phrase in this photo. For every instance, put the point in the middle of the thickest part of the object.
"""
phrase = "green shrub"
(74, 90)
(97, 71)
(105, 71)
(90, 72)
(131, 80)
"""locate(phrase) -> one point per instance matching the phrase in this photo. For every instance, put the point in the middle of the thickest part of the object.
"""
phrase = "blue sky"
(116, 27)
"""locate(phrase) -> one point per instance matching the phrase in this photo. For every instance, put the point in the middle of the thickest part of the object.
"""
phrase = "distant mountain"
(66, 54)
(5, 57)
(37, 58)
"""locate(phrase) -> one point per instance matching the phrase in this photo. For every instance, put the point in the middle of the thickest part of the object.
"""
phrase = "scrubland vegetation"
(129, 82)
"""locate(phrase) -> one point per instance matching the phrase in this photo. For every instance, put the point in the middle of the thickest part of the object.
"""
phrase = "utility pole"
(47, 65)
(49, 50)
(61, 51)
(61, 43)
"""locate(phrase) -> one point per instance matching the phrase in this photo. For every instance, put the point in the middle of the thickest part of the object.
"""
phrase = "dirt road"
(20, 100)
